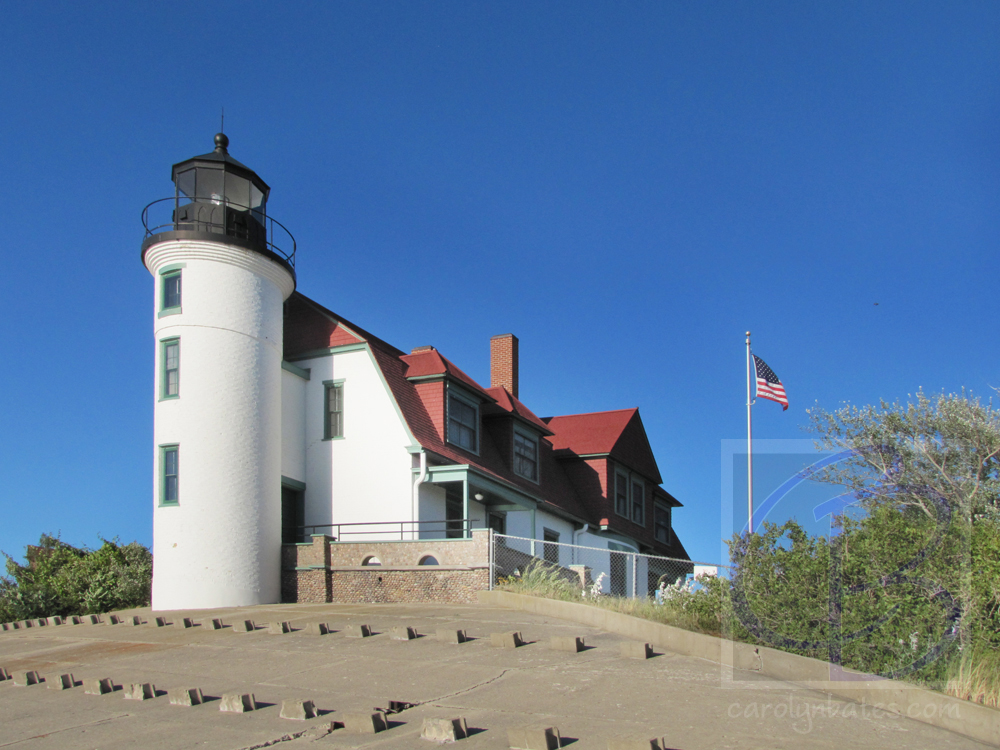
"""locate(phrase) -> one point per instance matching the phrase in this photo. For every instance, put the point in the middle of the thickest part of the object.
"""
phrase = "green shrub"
(58, 579)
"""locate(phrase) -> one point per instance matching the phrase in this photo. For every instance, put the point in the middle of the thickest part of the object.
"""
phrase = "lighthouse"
(222, 269)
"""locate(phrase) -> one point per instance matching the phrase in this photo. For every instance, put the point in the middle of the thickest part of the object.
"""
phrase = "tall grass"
(975, 676)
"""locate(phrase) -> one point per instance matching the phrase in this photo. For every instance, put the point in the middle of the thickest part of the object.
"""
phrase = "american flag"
(768, 385)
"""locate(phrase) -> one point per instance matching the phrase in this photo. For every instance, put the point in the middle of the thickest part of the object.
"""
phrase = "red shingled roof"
(511, 405)
(619, 434)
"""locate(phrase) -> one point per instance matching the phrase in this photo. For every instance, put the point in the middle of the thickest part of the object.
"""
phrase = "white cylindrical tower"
(220, 287)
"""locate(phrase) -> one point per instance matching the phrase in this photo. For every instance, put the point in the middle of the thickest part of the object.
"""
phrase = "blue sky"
(626, 186)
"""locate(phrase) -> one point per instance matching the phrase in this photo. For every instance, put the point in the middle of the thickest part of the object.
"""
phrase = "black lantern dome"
(218, 198)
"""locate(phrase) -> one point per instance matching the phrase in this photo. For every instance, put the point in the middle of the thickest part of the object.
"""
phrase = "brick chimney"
(503, 362)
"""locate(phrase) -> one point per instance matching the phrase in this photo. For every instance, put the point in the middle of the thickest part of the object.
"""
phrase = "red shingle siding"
(431, 396)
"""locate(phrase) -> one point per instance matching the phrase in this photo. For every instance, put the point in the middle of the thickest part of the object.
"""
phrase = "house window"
(333, 425)
(550, 551)
(661, 523)
(526, 456)
(169, 475)
(463, 423)
(170, 359)
(171, 298)
(621, 495)
(638, 503)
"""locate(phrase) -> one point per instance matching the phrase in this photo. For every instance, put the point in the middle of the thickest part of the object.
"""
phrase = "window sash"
(334, 422)
(462, 423)
(171, 476)
(661, 523)
(525, 456)
(638, 503)
(171, 291)
(621, 495)
(171, 355)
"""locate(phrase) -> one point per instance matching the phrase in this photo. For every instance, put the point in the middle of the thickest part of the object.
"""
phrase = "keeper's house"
(286, 436)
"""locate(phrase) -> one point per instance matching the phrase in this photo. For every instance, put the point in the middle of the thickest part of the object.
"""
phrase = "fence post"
(492, 558)
(635, 559)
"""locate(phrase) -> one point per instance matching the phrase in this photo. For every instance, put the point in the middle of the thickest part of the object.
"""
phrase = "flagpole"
(749, 447)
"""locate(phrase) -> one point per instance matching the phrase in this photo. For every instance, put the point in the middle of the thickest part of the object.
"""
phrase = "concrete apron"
(972, 720)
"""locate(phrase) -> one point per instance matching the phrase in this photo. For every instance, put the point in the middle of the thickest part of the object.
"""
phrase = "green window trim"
(170, 368)
(170, 291)
(169, 475)
(169, 311)
(295, 484)
(333, 409)
(171, 268)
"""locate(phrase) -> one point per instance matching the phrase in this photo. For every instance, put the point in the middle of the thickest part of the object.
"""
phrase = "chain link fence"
(615, 570)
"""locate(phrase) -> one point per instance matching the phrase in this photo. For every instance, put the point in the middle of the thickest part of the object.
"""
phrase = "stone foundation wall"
(328, 571)
(374, 586)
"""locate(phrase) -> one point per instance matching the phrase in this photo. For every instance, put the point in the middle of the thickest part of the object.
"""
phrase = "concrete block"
(318, 628)
(277, 628)
(636, 650)
(62, 682)
(506, 640)
(74, 620)
(4, 626)
(114, 620)
(298, 710)
(534, 738)
(134, 621)
(161, 622)
(217, 624)
(244, 626)
(635, 743)
(238, 703)
(92, 619)
(4, 675)
(140, 691)
(25, 678)
(27, 624)
(41, 622)
(571, 643)
(15, 625)
(55, 621)
(185, 696)
(403, 634)
(98, 686)
(365, 723)
(184, 623)
(446, 635)
(444, 730)
(359, 631)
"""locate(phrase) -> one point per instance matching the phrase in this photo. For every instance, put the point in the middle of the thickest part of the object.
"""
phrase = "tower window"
(333, 425)
(170, 358)
(170, 475)
(171, 291)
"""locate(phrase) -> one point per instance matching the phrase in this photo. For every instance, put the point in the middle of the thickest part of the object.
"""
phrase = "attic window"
(526, 456)
(661, 523)
(463, 422)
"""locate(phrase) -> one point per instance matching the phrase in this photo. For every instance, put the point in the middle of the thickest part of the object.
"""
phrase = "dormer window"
(463, 422)
(525, 455)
